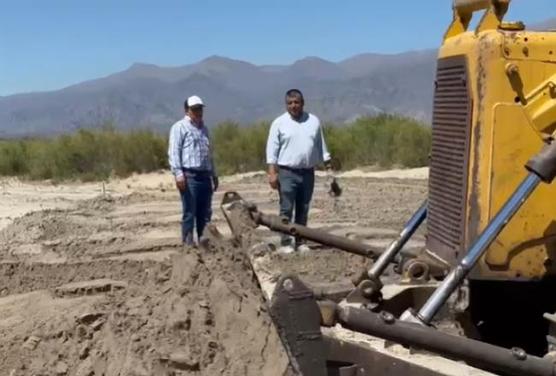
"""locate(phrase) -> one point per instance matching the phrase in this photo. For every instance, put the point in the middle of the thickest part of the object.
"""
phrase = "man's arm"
(335, 189)
(175, 143)
(273, 176)
(324, 150)
(272, 153)
(215, 181)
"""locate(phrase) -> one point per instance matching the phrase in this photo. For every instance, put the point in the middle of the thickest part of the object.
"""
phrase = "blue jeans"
(296, 191)
(196, 204)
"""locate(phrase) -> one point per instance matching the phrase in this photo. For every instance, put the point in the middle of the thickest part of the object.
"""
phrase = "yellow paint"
(489, 22)
(504, 135)
(540, 107)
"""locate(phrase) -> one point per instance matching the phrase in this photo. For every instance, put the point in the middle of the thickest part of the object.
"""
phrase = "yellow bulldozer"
(490, 257)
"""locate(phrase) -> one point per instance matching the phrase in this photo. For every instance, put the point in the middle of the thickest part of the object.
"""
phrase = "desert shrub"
(384, 140)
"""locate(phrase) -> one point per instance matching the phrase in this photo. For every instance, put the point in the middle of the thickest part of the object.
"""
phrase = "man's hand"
(273, 176)
(215, 183)
(273, 180)
(181, 183)
(334, 188)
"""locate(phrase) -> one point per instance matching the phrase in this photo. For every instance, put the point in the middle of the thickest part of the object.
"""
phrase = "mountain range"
(146, 95)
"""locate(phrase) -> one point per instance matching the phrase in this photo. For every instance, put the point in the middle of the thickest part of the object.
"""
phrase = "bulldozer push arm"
(420, 262)
(297, 316)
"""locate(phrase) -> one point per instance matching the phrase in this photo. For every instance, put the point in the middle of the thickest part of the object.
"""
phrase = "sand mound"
(200, 313)
(46, 225)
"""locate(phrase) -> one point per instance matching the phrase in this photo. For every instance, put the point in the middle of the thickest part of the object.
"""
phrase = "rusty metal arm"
(372, 286)
(233, 201)
(476, 353)
(242, 215)
(303, 337)
(277, 223)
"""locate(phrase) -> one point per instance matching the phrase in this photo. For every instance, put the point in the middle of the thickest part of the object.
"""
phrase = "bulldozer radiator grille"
(449, 157)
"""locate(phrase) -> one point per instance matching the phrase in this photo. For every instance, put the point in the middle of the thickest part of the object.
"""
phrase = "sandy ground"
(94, 280)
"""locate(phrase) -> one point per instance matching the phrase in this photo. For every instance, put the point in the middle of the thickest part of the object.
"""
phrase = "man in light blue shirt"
(295, 146)
(191, 163)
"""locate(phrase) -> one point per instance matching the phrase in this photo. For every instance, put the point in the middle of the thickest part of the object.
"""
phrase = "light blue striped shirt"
(296, 144)
(189, 147)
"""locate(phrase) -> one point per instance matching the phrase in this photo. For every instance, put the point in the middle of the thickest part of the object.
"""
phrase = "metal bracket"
(297, 317)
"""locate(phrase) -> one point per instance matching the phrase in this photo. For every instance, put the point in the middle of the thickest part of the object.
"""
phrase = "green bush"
(86, 155)
(13, 159)
(385, 140)
(98, 154)
(239, 149)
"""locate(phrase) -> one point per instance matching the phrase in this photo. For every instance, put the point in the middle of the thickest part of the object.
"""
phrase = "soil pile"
(200, 313)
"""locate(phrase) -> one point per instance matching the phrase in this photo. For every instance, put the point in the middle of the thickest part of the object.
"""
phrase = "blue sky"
(49, 44)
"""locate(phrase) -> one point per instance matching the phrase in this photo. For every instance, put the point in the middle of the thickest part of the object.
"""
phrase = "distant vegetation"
(384, 140)
(86, 155)
(99, 154)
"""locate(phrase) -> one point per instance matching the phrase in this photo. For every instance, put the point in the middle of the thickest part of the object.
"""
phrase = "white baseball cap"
(194, 101)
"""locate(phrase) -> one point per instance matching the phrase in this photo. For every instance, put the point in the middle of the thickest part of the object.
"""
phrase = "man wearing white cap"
(191, 162)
